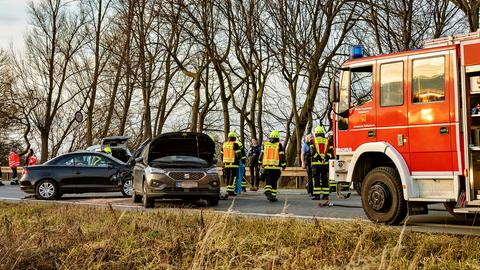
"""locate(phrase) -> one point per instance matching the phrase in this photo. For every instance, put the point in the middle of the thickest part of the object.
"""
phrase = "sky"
(13, 23)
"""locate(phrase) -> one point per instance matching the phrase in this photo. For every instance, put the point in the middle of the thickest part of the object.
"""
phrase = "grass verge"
(72, 237)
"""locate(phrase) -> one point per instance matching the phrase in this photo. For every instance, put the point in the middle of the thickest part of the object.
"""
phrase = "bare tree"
(471, 8)
(56, 36)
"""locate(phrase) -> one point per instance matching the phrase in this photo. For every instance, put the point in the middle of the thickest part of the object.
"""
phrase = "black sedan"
(79, 172)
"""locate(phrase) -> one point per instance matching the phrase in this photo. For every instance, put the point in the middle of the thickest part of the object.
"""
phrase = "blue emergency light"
(356, 51)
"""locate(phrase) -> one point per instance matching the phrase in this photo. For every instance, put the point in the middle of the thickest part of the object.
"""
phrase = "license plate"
(187, 184)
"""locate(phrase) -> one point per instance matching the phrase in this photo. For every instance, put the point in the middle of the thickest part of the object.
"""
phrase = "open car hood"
(115, 141)
(182, 144)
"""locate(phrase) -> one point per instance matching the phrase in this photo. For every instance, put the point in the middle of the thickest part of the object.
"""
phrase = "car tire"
(46, 190)
(213, 201)
(127, 187)
(147, 202)
(382, 196)
(136, 198)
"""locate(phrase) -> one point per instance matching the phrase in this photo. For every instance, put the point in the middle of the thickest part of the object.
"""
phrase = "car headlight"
(212, 171)
(151, 170)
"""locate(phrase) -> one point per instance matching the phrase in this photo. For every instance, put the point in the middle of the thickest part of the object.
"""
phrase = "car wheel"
(147, 202)
(213, 201)
(46, 190)
(127, 187)
(136, 198)
(382, 196)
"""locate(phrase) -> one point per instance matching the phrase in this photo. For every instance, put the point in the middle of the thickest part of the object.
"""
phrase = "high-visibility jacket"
(32, 160)
(231, 154)
(321, 151)
(272, 156)
(13, 160)
(242, 152)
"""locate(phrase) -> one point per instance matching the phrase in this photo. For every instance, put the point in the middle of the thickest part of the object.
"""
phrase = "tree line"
(143, 67)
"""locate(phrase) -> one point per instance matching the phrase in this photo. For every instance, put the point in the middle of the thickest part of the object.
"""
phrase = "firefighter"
(320, 152)
(272, 160)
(231, 155)
(31, 158)
(14, 163)
(332, 184)
(243, 161)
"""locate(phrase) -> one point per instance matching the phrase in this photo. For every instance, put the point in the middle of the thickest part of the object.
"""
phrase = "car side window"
(97, 161)
(69, 161)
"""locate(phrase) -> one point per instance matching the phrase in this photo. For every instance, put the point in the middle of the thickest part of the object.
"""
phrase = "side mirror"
(333, 95)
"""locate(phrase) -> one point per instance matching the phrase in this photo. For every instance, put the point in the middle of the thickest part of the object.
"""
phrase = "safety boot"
(273, 199)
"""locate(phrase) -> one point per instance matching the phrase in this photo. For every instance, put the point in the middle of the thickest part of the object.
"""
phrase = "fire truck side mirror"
(333, 95)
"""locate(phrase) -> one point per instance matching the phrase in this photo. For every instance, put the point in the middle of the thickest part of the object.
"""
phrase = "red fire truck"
(407, 129)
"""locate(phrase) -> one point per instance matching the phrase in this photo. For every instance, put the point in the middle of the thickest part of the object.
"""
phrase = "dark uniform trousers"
(230, 178)
(271, 177)
(320, 180)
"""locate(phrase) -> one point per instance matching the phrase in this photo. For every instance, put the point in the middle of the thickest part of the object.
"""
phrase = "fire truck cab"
(407, 129)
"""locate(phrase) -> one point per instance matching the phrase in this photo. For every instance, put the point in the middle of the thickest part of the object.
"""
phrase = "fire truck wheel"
(382, 196)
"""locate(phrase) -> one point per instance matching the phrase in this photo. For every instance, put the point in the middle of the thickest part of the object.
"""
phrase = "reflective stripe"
(230, 166)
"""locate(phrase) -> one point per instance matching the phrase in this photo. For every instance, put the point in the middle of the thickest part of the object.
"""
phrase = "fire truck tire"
(382, 196)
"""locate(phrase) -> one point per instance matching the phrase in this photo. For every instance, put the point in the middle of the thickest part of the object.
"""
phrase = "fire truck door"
(392, 109)
(429, 98)
(359, 127)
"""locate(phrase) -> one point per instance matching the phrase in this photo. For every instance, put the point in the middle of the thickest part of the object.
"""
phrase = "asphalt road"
(292, 203)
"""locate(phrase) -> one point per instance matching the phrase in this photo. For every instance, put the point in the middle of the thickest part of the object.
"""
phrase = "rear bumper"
(26, 184)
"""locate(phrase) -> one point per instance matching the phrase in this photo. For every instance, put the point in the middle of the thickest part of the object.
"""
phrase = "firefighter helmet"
(319, 130)
(232, 134)
(275, 135)
(107, 150)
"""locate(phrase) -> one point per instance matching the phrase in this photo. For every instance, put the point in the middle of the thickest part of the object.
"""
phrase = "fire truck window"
(428, 82)
(391, 84)
(361, 86)
(344, 104)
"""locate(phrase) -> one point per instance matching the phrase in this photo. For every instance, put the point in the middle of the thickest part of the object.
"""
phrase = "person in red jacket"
(14, 163)
(31, 158)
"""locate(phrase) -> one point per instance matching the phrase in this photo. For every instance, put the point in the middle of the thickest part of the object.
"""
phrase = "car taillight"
(25, 171)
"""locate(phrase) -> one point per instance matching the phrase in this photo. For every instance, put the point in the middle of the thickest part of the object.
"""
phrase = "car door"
(95, 173)
(139, 169)
(63, 172)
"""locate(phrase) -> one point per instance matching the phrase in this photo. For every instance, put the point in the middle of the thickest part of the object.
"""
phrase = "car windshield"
(179, 161)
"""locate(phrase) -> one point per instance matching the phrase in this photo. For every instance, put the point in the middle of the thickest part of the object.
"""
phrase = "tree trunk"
(44, 134)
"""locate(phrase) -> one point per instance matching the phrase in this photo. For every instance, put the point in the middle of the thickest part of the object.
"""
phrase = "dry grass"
(68, 237)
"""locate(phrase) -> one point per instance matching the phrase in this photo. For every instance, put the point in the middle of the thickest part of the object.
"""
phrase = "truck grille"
(189, 176)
